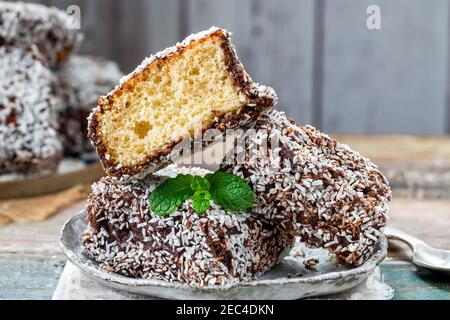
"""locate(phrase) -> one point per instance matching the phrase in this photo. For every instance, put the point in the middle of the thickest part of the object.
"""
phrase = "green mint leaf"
(230, 191)
(170, 194)
(199, 183)
(201, 201)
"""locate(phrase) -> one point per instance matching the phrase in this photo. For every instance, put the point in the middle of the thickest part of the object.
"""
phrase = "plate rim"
(93, 269)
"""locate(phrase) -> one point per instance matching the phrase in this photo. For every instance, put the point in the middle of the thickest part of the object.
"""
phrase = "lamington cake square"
(26, 24)
(216, 248)
(29, 142)
(315, 188)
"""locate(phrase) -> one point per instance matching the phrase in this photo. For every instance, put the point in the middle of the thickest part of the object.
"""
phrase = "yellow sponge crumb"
(197, 85)
(171, 101)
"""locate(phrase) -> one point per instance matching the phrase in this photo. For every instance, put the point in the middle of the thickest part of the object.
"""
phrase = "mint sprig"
(170, 194)
(199, 183)
(228, 191)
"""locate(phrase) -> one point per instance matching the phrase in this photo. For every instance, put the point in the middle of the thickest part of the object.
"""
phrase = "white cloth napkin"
(74, 285)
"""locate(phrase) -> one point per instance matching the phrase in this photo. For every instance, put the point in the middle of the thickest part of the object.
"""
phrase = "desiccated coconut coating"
(84, 79)
(316, 188)
(25, 24)
(216, 248)
(28, 138)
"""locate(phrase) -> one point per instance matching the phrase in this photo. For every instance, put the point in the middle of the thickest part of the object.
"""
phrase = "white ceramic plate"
(288, 280)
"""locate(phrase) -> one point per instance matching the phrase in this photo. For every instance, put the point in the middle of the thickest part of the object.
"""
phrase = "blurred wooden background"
(328, 68)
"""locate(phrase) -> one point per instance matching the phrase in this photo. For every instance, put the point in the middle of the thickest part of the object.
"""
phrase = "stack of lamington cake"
(309, 186)
(46, 92)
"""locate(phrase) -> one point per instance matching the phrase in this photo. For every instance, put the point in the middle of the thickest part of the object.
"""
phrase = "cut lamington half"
(198, 84)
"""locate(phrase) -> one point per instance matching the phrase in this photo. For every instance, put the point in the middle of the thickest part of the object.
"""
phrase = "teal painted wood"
(412, 283)
(35, 278)
(29, 277)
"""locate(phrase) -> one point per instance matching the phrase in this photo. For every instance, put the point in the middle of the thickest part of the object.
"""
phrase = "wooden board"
(391, 80)
(31, 263)
(98, 23)
(400, 148)
(274, 40)
(36, 278)
(45, 185)
(412, 283)
(40, 208)
(416, 166)
(36, 238)
(327, 67)
(124, 32)
(144, 28)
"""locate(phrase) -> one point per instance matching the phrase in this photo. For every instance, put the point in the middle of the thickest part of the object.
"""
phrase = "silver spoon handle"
(398, 234)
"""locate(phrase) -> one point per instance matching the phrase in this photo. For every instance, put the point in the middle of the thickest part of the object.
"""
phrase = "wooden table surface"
(31, 262)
